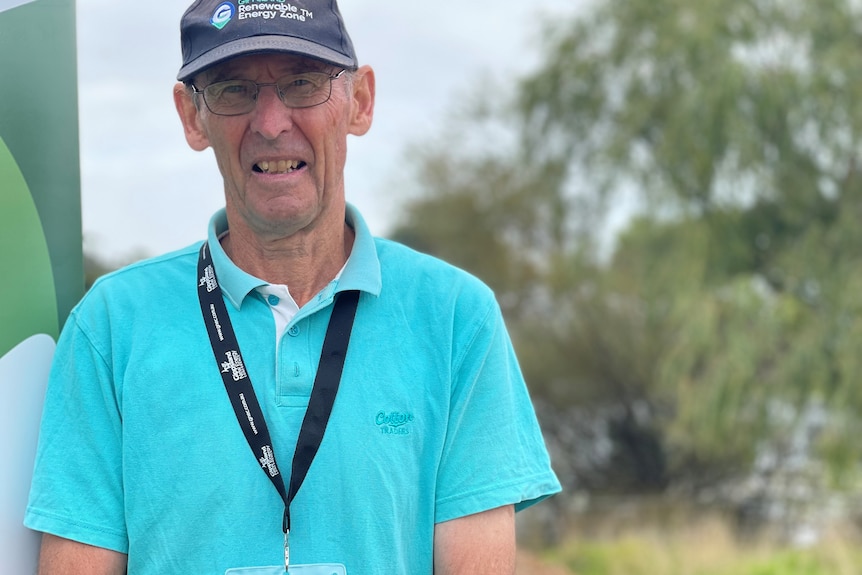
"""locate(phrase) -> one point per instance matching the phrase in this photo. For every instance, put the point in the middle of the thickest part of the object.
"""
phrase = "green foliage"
(699, 544)
(651, 555)
(704, 104)
(728, 309)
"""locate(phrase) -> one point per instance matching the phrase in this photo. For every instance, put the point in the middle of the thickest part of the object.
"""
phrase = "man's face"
(283, 168)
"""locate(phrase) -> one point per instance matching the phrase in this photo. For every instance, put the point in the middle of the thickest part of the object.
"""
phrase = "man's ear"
(189, 113)
(362, 111)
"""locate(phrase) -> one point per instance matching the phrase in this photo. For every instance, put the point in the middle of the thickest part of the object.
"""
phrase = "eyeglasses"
(237, 97)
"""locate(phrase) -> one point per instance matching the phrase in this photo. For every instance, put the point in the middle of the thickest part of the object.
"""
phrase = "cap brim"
(264, 44)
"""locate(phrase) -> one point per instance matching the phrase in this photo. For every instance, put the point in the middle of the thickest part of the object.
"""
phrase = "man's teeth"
(278, 167)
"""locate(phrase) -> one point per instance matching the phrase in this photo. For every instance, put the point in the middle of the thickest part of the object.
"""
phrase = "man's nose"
(270, 116)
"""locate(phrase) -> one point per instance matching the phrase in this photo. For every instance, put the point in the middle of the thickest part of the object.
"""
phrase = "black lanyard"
(241, 393)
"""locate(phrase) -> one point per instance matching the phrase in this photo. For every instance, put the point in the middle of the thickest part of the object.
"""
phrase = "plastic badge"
(316, 569)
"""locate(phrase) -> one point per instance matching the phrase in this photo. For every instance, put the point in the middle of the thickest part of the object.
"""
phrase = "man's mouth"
(277, 166)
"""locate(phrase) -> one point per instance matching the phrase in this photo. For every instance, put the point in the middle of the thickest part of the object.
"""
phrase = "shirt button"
(293, 331)
(272, 299)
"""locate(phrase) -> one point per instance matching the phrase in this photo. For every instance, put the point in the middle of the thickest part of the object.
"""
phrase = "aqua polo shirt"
(140, 450)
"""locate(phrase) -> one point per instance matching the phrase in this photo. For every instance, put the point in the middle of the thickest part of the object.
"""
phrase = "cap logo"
(270, 9)
(214, 31)
(222, 15)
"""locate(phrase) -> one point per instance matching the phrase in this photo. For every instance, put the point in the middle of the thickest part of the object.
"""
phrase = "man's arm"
(480, 544)
(65, 557)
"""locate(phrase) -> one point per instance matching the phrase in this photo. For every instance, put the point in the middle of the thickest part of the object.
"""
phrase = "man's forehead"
(254, 63)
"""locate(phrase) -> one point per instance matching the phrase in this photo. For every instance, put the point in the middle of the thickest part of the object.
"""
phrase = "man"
(423, 440)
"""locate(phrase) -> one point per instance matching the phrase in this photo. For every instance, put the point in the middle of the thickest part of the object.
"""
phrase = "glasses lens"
(305, 90)
(231, 97)
(235, 97)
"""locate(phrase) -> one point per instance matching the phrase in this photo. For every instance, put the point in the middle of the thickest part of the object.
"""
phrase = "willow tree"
(727, 307)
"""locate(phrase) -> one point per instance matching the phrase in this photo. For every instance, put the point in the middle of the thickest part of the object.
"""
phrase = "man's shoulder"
(400, 257)
(140, 279)
(412, 271)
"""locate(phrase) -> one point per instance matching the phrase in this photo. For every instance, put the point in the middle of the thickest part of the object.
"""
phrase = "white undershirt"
(282, 304)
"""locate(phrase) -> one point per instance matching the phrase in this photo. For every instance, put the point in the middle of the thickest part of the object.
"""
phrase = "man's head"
(212, 31)
(275, 97)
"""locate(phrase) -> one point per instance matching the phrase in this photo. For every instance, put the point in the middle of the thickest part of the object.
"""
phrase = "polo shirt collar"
(362, 271)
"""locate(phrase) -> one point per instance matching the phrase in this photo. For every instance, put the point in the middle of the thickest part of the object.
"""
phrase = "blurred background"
(665, 196)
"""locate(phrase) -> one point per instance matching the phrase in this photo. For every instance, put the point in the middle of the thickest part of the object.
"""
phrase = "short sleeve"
(77, 488)
(494, 453)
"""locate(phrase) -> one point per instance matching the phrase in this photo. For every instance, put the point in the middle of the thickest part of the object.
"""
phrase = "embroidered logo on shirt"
(234, 365)
(394, 422)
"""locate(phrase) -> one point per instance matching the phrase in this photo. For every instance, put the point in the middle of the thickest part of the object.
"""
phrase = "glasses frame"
(258, 85)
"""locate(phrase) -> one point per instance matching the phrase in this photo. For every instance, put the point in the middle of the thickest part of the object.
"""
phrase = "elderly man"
(389, 425)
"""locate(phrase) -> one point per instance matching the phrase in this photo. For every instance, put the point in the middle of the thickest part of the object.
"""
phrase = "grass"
(702, 547)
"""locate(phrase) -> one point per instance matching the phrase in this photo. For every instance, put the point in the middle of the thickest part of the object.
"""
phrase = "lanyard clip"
(286, 551)
(285, 526)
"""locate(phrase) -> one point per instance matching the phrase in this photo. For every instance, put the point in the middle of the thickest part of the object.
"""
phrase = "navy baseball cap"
(212, 31)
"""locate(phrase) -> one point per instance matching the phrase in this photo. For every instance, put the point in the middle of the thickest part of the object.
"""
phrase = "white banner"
(23, 376)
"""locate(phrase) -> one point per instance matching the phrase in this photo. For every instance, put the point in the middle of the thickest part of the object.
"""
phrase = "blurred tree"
(94, 268)
(727, 308)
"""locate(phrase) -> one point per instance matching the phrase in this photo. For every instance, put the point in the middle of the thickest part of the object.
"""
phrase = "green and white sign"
(40, 237)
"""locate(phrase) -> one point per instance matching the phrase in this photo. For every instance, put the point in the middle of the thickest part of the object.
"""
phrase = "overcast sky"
(145, 192)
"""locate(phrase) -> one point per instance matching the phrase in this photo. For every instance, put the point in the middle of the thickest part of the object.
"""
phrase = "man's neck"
(306, 263)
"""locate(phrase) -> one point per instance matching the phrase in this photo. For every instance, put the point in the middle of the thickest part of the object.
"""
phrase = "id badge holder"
(315, 569)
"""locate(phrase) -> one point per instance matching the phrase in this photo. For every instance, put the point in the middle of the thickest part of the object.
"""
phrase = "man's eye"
(229, 89)
(304, 82)
(294, 83)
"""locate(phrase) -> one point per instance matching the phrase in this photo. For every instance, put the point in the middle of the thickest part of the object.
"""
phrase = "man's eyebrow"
(231, 72)
(219, 74)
